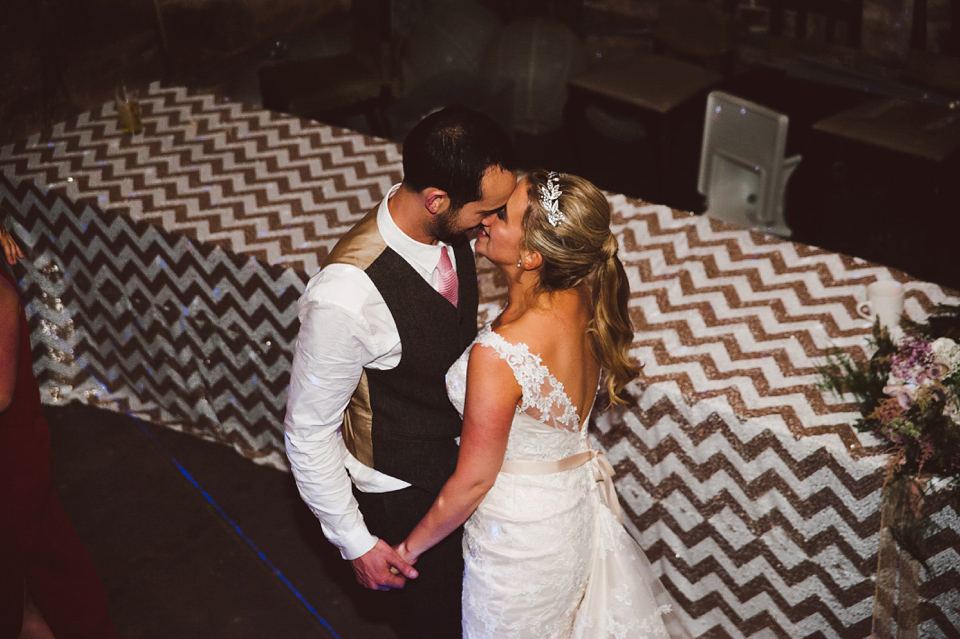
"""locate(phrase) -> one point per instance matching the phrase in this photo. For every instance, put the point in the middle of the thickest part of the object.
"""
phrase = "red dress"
(37, 542)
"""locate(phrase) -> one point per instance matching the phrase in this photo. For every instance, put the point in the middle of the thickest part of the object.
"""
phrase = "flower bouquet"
(909, 398)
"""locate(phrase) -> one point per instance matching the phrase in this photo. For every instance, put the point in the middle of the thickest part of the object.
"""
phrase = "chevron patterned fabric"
(163, 275)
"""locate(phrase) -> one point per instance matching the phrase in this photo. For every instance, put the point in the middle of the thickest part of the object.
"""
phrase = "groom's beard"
(448, 229)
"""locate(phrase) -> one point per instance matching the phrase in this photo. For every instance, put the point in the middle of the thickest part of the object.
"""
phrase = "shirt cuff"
(357, 544)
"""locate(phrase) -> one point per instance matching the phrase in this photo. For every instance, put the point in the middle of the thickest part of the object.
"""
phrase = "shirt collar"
(422, 256)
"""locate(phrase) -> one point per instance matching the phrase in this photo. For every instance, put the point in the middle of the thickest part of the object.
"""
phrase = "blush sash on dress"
(602, 473)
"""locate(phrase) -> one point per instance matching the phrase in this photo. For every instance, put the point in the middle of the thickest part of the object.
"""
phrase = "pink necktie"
(448, 277)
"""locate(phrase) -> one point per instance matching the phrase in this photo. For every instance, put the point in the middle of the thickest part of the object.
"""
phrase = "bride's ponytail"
(578, 247)
(611, 327)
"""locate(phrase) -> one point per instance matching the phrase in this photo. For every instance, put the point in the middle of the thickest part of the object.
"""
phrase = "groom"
(369, 431)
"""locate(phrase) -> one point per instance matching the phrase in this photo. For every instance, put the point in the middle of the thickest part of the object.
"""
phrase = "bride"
(544, 551)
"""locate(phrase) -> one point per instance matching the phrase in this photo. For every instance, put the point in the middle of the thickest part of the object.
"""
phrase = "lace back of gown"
(543, 396)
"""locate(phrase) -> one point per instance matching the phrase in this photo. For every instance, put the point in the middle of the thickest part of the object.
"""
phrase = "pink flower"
(903, 393)
(904, 399)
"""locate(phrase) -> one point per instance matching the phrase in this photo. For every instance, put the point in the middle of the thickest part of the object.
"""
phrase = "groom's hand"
(381, 568)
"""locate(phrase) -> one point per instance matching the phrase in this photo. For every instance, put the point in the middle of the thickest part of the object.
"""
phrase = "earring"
(520, 262)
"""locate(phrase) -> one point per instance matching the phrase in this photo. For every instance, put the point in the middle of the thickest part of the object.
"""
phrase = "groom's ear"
(436, 201)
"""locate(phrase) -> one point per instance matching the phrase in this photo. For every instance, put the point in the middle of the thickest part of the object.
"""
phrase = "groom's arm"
(332, 346)
(322, 380)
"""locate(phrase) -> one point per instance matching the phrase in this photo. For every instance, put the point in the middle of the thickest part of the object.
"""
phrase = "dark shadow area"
(173, 564)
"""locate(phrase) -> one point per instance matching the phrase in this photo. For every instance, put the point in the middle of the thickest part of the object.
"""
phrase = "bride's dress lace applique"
(543, 396)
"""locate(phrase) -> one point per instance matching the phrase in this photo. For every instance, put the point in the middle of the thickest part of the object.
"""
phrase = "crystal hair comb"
(549, 198)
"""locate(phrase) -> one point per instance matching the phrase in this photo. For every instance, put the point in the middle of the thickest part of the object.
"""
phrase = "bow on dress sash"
(602, 473)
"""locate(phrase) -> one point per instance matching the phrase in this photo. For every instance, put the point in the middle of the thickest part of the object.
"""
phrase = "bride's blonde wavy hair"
(582, 248)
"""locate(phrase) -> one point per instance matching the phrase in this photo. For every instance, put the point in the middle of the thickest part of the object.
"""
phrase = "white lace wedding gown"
(545, 557)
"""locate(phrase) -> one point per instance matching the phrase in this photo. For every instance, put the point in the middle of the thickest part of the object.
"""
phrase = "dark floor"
(192, 540)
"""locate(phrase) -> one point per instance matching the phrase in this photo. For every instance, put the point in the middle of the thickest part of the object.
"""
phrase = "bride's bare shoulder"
(540, 331)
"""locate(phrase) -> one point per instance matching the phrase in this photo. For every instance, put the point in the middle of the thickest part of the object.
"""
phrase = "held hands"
(381, 568)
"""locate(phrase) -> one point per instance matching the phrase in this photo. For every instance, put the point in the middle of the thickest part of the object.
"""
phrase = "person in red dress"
(49, 587)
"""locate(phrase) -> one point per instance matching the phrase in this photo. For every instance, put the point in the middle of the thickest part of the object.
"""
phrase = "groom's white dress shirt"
(345, 326)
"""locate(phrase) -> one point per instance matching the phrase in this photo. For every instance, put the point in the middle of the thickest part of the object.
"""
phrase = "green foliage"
(862, 379)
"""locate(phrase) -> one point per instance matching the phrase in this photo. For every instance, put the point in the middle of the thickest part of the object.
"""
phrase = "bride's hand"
(405, 553)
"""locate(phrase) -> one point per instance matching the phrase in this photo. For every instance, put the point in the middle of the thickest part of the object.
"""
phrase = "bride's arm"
(492, 396)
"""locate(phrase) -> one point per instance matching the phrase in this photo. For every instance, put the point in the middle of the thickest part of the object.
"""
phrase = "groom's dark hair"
(452, 149)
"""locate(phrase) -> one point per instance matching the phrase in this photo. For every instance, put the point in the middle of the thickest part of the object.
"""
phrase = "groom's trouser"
(428, 606)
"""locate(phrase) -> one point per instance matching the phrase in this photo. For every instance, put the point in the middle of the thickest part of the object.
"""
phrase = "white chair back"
(743, 173)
